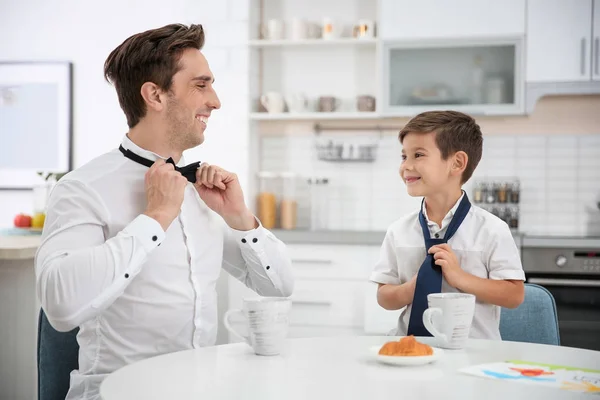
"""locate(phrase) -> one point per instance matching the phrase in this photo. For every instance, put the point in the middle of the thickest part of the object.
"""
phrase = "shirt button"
(154, 238)
(437, 235)
(268, 267)
(126, 276)
(243, 240)
(254, 240)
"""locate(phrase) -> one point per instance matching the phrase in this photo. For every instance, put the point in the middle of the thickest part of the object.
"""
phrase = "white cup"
(273, 102)
(297, 103)
(299, 29)
(331, 30)
(273, 30)
(267, 320)
(365, 29)
(449, 318)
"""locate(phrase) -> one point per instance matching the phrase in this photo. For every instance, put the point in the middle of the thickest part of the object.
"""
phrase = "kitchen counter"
(330, 237)
(18, 247)
(574, 242)
(343, 237)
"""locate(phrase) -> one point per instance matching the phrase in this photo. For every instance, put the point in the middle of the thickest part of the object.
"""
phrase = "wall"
(555, 153)
(85, 33)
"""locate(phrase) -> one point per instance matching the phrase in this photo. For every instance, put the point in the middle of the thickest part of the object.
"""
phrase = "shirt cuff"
(379, 277)
(508, 275)
(147, 230)
(252, 237)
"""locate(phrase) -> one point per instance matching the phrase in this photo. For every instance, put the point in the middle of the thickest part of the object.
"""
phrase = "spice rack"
(501, 197)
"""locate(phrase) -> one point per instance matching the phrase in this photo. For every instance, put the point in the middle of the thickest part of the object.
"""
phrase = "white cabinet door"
(596, 42)
(559, 41)
(435, 19)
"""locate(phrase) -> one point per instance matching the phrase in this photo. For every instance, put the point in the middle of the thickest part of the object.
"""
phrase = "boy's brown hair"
(454, 131)
(150, 56)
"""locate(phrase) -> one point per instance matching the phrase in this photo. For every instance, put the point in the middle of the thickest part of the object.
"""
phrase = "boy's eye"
(403, 157)
(417, 155)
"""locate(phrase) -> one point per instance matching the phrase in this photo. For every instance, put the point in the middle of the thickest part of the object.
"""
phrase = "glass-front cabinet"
(478, 77)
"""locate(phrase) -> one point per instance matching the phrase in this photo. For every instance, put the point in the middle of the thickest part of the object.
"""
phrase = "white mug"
(273, 30)
(273, 102)
(365, 29)
(330, 29)
(449, 318)
(267, 320)
(299, 29)
(297, 103)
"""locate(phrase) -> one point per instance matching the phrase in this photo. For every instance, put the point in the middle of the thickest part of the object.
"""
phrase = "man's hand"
(445, 258)
(222, 193)
(164, 192)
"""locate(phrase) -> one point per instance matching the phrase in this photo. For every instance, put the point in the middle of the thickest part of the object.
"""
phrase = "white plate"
(406, 360)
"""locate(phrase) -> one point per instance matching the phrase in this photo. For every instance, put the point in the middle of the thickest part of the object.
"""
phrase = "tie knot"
(432, 242)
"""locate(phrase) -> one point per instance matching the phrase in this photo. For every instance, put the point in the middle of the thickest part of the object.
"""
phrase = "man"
(133, 246)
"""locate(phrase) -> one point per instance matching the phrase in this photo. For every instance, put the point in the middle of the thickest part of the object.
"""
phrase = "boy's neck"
(440, 204)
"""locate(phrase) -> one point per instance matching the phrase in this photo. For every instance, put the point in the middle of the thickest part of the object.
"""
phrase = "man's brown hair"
(454, 131)
(150, 56)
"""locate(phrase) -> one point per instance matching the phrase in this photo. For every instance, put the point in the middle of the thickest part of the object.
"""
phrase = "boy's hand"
(445, 258)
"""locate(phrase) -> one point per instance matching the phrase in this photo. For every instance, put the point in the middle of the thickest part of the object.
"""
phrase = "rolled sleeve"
(385, 271)
(504, 260)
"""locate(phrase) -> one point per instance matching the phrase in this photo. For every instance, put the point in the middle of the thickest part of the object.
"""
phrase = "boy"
(441, 149)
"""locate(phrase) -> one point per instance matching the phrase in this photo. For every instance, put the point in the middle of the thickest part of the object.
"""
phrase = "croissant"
(407, 346)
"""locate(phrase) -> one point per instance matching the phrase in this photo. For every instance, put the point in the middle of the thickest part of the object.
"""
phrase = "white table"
(334, 368)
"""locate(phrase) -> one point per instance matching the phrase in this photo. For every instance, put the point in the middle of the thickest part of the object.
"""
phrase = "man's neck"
(440, 204)
(151, 137)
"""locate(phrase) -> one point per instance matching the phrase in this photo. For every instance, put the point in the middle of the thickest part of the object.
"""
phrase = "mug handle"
(428, 316)
(228, 326)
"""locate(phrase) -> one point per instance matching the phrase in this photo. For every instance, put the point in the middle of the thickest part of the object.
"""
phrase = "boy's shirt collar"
(448, 216)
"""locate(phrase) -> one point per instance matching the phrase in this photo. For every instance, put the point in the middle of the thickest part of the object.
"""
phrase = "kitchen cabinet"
(596, 42)
(477, 76)
(332, 294)
(434, 19)
(559, 40)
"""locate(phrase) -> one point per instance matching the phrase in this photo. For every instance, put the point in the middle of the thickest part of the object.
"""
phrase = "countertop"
(24, 247)
(18, 247)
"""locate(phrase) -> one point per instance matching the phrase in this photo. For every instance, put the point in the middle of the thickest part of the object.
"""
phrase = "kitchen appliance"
(570, 269)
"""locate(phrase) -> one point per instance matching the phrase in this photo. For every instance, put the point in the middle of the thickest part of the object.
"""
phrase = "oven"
(570, 270)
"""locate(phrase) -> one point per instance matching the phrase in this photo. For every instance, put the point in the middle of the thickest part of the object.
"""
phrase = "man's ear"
(151, 94)
(459, 162)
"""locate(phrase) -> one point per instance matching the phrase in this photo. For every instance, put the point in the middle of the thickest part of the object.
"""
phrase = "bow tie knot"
(188, 171)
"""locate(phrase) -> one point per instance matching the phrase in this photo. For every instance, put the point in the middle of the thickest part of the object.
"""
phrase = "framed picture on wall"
(36, 129)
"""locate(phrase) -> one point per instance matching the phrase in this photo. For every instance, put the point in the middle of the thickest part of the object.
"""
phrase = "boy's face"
(423, 170)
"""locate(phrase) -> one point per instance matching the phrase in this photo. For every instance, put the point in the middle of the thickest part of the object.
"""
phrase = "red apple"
(22, 221)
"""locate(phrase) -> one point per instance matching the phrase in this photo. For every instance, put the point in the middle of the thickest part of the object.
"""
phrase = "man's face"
(423, 170)
(190, 101)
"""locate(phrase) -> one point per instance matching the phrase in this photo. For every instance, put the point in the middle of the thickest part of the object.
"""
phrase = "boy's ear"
(460, 162)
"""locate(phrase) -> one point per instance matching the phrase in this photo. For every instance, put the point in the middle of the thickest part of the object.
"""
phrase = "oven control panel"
(562, 261)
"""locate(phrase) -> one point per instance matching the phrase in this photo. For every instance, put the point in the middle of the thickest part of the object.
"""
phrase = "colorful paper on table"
(574, 379)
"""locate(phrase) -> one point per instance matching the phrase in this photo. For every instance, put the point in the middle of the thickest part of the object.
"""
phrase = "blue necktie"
(429, 278)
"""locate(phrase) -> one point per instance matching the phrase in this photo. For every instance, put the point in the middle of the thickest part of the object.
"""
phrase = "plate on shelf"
(15, 231)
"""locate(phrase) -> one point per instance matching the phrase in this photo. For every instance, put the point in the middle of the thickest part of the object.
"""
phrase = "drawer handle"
(312, 302)
(312, 261)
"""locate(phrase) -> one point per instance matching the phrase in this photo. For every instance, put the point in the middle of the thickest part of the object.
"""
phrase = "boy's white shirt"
(483, 245)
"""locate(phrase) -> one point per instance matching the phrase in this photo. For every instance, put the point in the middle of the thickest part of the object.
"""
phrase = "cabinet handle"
(311, 302)
(582, 56)
(597, 56)
(311, 261)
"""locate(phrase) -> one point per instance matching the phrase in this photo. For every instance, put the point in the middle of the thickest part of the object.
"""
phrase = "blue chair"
(57, 356)
(534, 321)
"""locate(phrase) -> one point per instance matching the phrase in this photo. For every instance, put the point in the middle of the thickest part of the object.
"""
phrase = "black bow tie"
(189, 171)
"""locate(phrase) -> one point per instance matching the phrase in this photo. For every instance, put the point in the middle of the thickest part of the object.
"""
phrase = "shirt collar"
(134, 148)
(448, 216)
